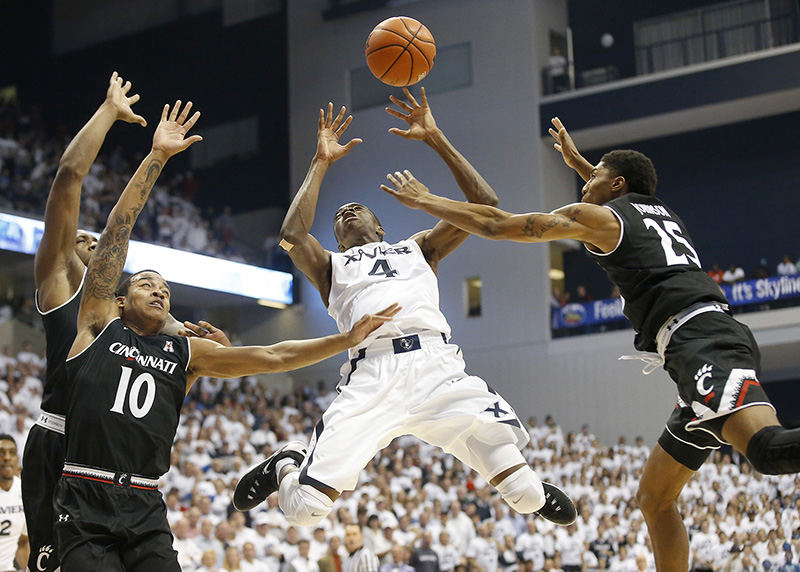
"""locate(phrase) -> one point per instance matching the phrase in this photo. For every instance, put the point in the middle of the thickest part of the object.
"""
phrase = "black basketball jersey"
(125, 396)
(60, 329)
(655, 266)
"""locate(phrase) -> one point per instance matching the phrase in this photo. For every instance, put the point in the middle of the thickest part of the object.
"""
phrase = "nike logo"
(517, 500)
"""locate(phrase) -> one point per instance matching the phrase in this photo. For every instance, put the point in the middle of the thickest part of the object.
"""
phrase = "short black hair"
(7, 437)
(637, 168)
(124, 286)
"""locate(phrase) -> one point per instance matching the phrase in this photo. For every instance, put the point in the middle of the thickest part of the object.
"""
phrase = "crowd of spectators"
(29, 156)
(413, 501)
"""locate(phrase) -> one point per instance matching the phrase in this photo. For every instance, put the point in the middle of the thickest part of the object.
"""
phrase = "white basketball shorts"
(414, 385)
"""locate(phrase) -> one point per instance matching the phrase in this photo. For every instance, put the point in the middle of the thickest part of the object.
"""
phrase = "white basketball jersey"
(366, 279)
(12, 523)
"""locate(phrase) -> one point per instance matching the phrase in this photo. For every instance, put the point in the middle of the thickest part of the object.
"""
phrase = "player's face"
(149, 296)
(600, 187)
(9, 460)
(355, 224)
(85, 244)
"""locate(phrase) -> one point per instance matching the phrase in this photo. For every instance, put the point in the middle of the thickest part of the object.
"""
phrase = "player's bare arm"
(569, 152)
(57, 268)
(98, 305)
(305, 250)
(211, 358)
(592, 224)
(444, 238)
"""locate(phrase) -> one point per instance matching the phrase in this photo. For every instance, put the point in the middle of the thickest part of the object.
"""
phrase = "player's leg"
(659, 488)
(150, 552)
(770, 448)
(491, 449)
(363, 419)
(93, 555)
(42, 463)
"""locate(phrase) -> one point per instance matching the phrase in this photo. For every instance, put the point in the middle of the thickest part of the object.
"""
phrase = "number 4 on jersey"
(670, 234)
(382, 268)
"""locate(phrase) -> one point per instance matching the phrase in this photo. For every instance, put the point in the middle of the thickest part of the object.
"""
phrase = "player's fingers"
(133, 99)
(329, 116)
(400, 177)
(126, 88)
(400, 103)
(408, 174)
(392, 179)
(400, 132)
(344, 125)
(389, 190)
(352, 143)
(424, 97)
(396, 113)
(339, 117)
(165, 112)
(192, 120)
(140, 120)
(174, 115)
(185, 113)
(208, 326)
(113, 78)
(553, 132)
(557, 122)
(410, 97)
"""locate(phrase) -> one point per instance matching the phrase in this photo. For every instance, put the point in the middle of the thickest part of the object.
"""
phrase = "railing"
(709, 45)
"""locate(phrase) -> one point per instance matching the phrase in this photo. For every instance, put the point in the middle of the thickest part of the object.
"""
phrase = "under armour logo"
(168, 346)
(406, 343)
(63, 517)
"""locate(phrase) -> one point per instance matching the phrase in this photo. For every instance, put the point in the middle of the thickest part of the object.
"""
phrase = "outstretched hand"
(368, 323)
(328, 133)
(170, 136)
(406, 189)
(421, 124)
(565, 145)
(117, 95)
(203, 329)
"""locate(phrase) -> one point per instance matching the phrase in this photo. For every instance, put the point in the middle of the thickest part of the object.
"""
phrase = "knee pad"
(303, 505)
(522, 490)
(775, 451)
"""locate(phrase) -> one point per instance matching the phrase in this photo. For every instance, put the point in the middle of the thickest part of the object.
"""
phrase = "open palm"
(328, 134)
(170, 136)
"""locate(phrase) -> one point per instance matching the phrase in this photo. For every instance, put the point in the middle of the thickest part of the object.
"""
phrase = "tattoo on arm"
(537, 225)
(105, 267)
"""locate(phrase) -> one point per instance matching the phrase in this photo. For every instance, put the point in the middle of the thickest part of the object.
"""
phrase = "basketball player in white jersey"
(13, 532)
(405, 378)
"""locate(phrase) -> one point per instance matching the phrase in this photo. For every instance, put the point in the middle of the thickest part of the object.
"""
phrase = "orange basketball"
(400, 51)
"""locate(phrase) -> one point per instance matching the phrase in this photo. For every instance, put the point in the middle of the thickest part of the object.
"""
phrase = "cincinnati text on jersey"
(133, 354)
(376, 251)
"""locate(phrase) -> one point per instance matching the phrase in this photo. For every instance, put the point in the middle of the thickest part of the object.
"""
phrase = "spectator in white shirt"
(786, 267)
(733, 274)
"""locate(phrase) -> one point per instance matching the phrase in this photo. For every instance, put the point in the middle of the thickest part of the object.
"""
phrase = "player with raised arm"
(128, 382)
(406, 378)
(59, 268)
(677, 311)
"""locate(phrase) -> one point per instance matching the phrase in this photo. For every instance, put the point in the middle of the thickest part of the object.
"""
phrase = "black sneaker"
(261, 480)
(558, 507)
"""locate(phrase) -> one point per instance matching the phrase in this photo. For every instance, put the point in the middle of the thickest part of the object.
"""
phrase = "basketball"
(400, 51)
